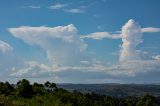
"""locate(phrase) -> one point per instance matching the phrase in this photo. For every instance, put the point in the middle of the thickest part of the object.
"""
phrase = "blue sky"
(80, 41)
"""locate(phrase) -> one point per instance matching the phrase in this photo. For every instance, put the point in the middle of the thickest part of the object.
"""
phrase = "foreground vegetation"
(25, 94)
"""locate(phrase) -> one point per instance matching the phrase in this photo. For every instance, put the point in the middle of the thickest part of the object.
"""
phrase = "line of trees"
(47, 94)
(24, 89)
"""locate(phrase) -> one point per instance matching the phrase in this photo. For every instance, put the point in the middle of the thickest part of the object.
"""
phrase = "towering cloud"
(131, 37)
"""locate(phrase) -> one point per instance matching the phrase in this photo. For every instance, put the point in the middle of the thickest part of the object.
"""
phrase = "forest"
(48, 94)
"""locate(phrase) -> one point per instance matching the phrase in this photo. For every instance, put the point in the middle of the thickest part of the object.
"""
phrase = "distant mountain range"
(117, 90)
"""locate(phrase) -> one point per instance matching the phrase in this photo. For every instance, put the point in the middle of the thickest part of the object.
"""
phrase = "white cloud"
(8, 59)
(32, 69)
(57, 6)
(131, 61)
(74, 10)
(35, 69)
(120, 71)
(156, 57)
(134, 68)
(62, 7)
(131, 37)
(150, 30)
(61, 44)
(101, 35)
(5, 47)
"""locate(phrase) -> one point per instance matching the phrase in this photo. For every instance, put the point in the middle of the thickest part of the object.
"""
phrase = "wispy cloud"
(5, 47)
(32, 6)
(157, 57)
(57, 6)
(150, 29)
(66, 8)
(101, 35)
(74, 10)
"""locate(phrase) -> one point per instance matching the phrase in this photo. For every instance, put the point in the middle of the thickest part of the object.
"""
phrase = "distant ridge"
(114, 89)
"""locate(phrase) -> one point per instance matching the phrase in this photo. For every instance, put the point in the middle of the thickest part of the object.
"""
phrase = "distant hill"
(117, 90)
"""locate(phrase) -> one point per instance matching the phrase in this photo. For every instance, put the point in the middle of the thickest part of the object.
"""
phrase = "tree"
(50, 86)
(24, 89)
(6, 88)
(128, 101)
(47, 84)
(38, 88)
(146, 100)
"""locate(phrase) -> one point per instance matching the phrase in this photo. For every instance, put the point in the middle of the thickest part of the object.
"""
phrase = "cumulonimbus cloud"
(61, 44)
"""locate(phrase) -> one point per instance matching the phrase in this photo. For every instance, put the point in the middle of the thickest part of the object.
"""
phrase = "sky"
(80, 41)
